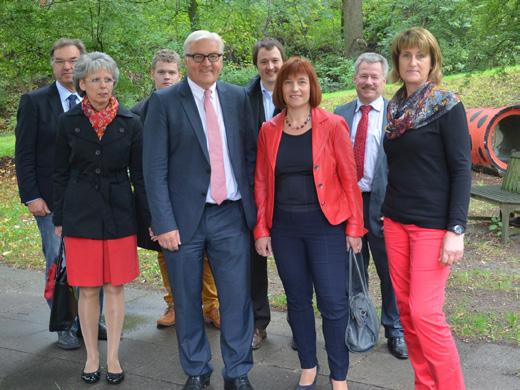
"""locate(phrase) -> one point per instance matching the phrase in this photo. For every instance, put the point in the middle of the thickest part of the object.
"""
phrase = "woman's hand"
(153, 237)
(354, 243)
(263, 246)
(57, 230)
(452, 248)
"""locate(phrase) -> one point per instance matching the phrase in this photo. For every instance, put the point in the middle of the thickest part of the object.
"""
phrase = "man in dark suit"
(268, 57)
(37, 120)
(366, 117)
(199, 156)
(165, 71)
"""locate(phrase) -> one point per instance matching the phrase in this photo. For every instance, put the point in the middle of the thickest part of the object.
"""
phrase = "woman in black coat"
(98, 160)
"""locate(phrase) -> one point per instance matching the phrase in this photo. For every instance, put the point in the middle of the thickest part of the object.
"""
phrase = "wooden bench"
(507, 201)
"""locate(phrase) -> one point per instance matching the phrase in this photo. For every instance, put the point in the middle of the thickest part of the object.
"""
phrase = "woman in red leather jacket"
(309, 212)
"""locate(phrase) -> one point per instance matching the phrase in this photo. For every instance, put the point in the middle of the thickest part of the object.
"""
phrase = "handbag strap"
(353, 259)
(59, 260)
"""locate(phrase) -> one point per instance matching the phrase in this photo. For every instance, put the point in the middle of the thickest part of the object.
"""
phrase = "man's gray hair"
(63, 42)
(91, 63)
(200, 35)
(371, 58)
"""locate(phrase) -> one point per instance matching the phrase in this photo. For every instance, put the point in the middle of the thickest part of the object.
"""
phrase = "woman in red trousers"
(426, 205)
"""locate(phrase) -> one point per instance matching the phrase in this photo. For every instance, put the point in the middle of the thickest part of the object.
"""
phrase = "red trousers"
(419, 281)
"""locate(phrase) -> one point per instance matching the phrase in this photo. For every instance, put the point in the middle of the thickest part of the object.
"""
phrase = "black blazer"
(37, 121)
(256, 99)
(143, 220)
(92, 192)
(176, 160)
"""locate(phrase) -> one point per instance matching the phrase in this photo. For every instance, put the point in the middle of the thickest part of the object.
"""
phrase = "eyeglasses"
(61, 62)
(198, 58)
(98, 81)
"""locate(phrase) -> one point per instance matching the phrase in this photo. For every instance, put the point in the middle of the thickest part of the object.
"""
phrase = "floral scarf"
(422, 107)
(100, 119)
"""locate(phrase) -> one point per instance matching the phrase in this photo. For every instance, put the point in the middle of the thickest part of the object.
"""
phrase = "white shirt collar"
(378, 104)
(64, 92)
(264, 89)
(198, 91)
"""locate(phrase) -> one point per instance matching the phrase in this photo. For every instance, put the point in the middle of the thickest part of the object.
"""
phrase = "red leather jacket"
(334, 173)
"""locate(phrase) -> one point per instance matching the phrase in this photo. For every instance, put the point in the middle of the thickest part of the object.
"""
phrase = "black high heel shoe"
(115, 379)
(90, 377)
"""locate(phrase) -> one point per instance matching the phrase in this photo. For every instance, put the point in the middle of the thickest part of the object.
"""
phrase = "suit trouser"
(309, 252)
(209, 290)
(222, 233)
(376, 244)
(259, 288)
(419, 281)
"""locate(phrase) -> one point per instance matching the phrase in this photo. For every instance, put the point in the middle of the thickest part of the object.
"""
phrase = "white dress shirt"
(374, 137)
(198, 93)
(267, 98)
(64, 95)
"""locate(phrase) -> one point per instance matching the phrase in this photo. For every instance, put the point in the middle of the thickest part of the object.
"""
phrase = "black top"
(294, 186)
(429, 178)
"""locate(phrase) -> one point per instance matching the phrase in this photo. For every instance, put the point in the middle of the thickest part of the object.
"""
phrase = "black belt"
(226, 202)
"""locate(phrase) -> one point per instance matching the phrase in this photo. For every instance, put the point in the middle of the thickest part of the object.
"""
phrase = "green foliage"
(7, 145)
(238, 75)
(335, 72)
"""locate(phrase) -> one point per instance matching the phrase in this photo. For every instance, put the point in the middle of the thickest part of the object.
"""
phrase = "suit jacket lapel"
(229, 118)
(351, 109)
(54, 100)
(192, 112)
(320, 132)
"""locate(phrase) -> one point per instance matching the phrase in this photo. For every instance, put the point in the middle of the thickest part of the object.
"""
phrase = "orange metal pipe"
(495, 132)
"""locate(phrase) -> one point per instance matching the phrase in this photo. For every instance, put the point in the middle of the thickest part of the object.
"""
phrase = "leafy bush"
(234, 74)
(335, 72)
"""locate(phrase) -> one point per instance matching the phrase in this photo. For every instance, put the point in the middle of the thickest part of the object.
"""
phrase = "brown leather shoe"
(258, 338)
(212, 317)
(167, 319)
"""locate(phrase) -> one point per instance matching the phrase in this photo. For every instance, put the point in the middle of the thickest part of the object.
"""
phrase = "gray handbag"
(362, 332)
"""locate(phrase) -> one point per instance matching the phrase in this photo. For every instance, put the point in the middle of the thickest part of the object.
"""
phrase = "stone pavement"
(30, 360)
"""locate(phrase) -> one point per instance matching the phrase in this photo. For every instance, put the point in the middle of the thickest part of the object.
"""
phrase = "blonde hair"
(422, 39)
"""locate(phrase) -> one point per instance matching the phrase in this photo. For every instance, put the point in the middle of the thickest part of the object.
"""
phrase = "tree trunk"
(192, 14)
(353, 28)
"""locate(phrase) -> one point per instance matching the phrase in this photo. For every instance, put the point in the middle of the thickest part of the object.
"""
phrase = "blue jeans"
(51, 248)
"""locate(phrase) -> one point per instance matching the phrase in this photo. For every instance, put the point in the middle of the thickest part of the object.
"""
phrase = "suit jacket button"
(98, 152)
(323, 203)
(121, 129)
(316, 167)
(320, 186)
(96, 187)
(98, 171)
(77, 130)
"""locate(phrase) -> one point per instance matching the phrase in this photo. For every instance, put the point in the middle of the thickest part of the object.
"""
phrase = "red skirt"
(93, 263)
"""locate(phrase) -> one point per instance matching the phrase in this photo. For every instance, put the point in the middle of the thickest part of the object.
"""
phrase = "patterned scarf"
(422, 107)
(100, 119)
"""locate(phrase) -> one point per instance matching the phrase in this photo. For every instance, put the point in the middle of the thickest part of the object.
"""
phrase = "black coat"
(93, 196)
(37, 120)
(256, 99)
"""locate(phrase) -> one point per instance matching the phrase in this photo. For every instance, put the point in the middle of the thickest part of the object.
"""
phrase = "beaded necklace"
(290, 126)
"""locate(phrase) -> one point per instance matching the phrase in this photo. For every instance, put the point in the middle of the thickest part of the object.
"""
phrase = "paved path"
(30, 360)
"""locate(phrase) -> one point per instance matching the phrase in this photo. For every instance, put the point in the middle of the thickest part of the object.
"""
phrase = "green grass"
(7, 145)
(492, 280)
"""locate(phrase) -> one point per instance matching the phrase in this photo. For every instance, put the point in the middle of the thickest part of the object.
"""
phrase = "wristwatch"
(457, 229)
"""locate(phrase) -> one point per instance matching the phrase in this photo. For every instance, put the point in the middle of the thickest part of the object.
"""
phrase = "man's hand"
(263, 246)
(38, 208)
(58, 230)
(355, 243)
(452, 248)
(170, 240)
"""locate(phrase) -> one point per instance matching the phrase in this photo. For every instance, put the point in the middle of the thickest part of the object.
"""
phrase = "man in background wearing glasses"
(37, 120)
(198, 162)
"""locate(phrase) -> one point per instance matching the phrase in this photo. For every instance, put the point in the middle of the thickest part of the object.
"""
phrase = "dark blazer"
(141, 108)
(37, 121)
(176, 161)
(93, 196)
(380, 180)
(334, 173)
(256, 99)
(143, 237)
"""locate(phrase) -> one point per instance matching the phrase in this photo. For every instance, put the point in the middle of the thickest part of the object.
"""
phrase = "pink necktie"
(216, 157)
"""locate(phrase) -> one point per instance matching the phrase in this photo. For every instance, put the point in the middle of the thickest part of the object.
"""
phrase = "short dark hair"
(62, 42)
(269, 44)
(166, 55)
(297, 65)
